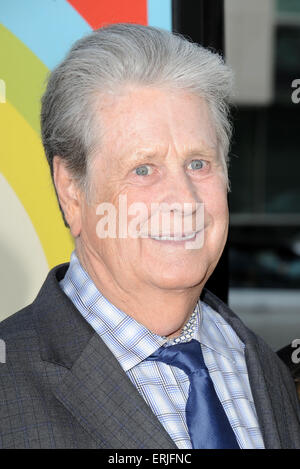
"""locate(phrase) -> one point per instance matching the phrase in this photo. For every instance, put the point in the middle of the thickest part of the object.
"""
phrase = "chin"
(181, 281)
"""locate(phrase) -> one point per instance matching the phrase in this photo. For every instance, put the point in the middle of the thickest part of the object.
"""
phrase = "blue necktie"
(206, 419)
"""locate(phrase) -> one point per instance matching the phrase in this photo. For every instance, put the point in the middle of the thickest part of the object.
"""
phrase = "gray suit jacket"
(61, 387)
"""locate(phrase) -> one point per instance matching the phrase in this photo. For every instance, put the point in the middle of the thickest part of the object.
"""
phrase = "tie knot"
(187, 356)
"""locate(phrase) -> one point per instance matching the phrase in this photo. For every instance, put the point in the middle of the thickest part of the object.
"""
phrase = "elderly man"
(124, 347)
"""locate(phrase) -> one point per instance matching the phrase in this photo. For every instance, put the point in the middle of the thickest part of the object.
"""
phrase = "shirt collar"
(216, 334)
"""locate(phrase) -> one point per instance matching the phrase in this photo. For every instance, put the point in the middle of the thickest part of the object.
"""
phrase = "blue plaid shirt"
(164, 387)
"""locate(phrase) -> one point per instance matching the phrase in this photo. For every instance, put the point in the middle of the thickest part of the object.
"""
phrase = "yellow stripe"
(24, 166)
(24, 75)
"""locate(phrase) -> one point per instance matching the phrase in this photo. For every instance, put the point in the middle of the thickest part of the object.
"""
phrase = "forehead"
(144, 119)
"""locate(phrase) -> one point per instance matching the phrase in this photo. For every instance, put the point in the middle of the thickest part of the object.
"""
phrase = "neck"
(166, 313)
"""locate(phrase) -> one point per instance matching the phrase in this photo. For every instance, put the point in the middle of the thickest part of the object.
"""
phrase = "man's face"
(158, 147)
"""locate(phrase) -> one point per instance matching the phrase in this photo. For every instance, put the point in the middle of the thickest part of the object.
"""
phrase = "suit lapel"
(104, 401)
(266, 399)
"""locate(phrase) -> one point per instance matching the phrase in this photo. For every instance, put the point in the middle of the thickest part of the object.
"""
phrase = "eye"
(144, 170)
(196, 164)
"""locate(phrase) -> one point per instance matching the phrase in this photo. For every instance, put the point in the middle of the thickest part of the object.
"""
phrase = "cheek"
(220, 208)
(214, 197)
(89, 223)
(216, 213)
(138, 208)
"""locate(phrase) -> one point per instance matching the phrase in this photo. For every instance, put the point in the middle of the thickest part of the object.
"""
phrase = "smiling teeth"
(173, 238)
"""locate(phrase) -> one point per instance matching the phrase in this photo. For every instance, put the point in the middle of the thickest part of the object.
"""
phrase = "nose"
(179, 189)
(180, 202)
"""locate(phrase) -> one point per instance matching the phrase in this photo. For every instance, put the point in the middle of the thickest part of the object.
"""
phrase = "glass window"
(264, 247)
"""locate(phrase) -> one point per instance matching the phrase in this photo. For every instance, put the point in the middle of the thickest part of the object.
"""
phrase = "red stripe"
(100, 12)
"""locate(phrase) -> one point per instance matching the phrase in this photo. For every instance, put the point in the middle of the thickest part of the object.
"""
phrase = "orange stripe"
(99, 13)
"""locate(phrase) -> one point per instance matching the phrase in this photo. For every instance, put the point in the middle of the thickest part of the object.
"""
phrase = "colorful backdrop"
(34, 36)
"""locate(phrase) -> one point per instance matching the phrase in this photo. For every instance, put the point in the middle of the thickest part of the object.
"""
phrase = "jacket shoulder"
(24, 319)
(18, 323)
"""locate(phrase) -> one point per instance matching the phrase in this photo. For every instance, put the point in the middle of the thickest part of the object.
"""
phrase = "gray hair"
(112, 57)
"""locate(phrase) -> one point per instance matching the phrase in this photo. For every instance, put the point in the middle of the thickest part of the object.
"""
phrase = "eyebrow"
(141, 155)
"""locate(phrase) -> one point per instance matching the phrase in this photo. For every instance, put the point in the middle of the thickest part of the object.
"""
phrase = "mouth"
(176, 238)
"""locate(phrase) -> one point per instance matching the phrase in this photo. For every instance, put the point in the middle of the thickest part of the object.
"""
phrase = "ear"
(69, 195)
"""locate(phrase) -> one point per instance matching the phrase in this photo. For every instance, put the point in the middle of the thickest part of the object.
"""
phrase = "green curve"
(24, 75)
